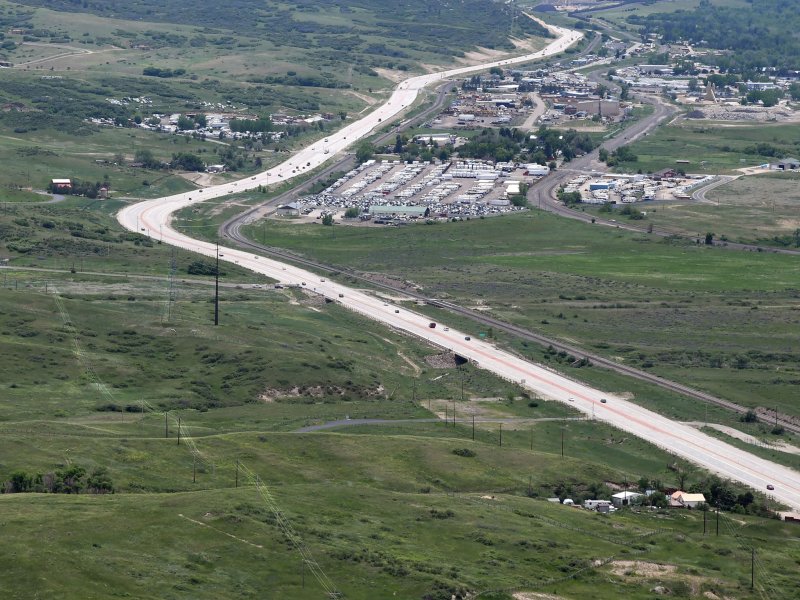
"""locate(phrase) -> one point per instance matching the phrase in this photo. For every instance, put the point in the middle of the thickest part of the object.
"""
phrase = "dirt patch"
(445, 360)
(391, 75)
(640, 568)
(536, 596)
(201, 179)
(318, 391)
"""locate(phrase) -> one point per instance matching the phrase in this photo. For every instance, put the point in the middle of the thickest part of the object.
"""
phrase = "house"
(788, 164)
(289, 210)
(626, 498)
(61, 185)
(215, 169)
(102, 192)
(681, 499)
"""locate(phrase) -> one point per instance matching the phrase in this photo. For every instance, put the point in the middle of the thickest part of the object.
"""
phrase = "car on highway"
(467, 338)
(770, 487)
(341, 295)
(603, 400)
(304, 283)
(396, 310)
(432, 325)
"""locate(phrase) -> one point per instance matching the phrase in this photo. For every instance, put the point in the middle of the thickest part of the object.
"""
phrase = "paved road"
(153, 218)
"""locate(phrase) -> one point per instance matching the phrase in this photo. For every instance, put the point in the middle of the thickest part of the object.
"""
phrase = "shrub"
(464, 452)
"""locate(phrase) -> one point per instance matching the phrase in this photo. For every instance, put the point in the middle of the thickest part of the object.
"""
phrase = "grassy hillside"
(370, 525)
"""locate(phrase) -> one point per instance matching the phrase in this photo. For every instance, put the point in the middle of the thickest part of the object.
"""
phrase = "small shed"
(60, 185)
(289, 210)
(625, 498)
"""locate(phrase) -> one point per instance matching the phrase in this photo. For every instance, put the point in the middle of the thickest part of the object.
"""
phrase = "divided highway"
(153, 218)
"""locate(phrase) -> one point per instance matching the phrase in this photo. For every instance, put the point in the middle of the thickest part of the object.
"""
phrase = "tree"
(658, 499)
(327, 220)
(364, 152)
(99, 481)
(20, 482)
(187, 161)
(146, 159)
(351, 213)
(709, 239)
(185, 123)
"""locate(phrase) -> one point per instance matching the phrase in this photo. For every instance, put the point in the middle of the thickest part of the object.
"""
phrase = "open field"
(711, 147)
(763, 209)
(703, 316)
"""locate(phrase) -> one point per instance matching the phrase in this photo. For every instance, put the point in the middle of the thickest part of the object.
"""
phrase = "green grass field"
(710, 147)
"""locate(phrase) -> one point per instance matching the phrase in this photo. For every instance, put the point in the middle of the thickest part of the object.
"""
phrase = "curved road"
(153, 219)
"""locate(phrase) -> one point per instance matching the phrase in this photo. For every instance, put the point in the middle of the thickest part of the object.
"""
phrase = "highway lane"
(153, 218)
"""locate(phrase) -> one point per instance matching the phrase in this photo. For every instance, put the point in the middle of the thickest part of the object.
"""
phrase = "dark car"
(432, 325)
(770, 487)
(468, 338)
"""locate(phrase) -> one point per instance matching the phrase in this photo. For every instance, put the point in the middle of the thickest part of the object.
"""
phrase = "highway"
(153, 218)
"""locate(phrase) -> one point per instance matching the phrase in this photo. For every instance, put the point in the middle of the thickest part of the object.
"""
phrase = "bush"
(464, 452)
(749, 417)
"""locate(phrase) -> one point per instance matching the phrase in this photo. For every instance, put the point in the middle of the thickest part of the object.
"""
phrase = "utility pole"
(166, 424)
(531, 438)
(179, 430)
(705, 512)
(473, 427)
(718, 521)
(562, 442)
(752, 568)
(501, 435)
(216, 290)
(237, 472)
(194, 469)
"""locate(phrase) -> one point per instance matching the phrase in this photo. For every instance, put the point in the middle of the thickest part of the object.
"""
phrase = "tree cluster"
(73, 479)
(760, 35)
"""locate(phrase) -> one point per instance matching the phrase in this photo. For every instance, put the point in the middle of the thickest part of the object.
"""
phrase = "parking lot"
(390, 192)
